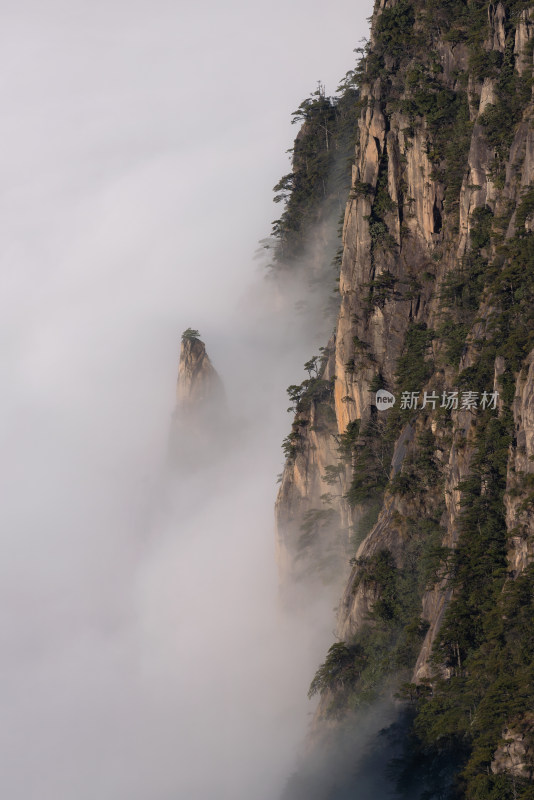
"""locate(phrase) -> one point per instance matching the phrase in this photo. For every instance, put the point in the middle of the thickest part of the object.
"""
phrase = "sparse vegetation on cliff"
(438, 295)
(310, 192)
(190, 334)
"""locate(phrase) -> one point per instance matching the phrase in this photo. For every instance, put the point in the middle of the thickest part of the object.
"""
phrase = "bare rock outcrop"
(200, 422)
(198, 385)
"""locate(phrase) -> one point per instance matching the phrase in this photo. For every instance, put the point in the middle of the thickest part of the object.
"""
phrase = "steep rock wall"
(406, 231)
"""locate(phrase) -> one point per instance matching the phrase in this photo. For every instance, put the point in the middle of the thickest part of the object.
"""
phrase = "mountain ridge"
(432, 506)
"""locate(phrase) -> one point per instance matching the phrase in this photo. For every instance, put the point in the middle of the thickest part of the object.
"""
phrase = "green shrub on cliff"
(500, 119)
(525, 208)
(190, 334)
(389, 640)
(342, 666)
(371, 460)
(420, 471)
(381, 289)
(318, 174)
(415, 365)
(394, 30)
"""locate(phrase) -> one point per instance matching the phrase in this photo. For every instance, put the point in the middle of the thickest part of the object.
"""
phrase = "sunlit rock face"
(405, 227)
(199, 384)
(514, 754)
(199, 427)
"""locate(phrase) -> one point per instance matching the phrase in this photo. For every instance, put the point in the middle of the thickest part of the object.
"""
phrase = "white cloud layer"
(141, 654)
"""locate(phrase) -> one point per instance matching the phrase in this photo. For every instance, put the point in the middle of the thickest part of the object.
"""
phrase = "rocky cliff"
(201, 417)
(431, 502)
(198, 383)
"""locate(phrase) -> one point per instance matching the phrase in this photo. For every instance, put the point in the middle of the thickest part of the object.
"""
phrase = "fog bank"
(142, 652)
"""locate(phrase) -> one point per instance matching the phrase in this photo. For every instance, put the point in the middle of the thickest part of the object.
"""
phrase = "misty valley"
(288, 554)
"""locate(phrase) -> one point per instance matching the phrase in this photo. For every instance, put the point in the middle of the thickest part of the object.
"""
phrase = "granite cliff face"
(436, 295)
(200, 421)
(198, 382)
